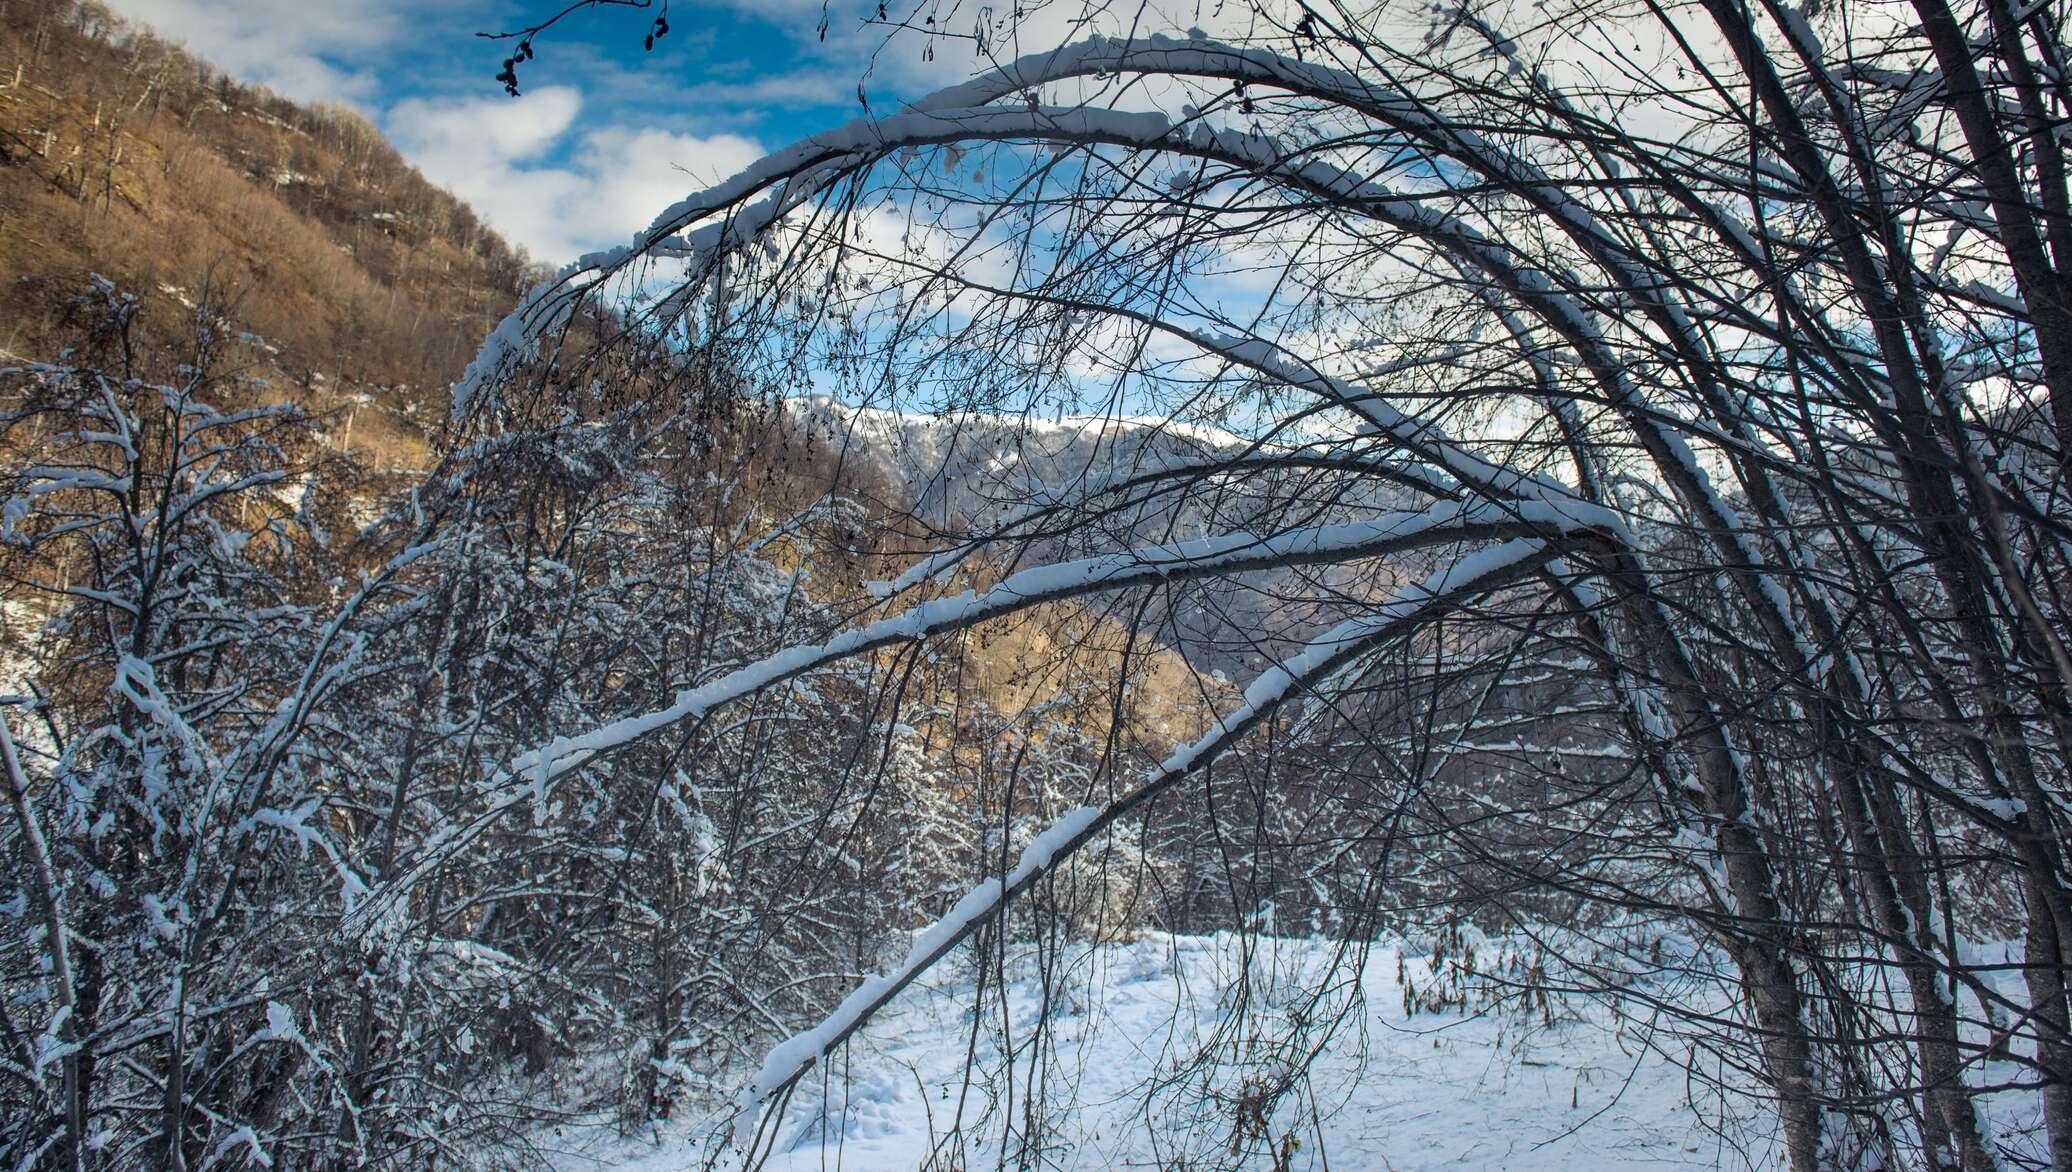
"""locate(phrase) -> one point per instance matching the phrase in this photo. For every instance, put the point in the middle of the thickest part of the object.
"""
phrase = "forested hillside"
(124, 155)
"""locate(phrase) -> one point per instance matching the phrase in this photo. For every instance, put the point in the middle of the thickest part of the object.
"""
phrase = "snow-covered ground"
(1389, 1090)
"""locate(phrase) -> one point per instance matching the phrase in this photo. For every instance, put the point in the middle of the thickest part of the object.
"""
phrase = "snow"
(1230, 553)
(1225, 553)
(1390, 1090)
(1305, 669)
(788, 1056)
(1474, 573)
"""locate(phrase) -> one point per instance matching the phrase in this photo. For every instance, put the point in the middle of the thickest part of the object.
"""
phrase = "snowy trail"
(1388, 1092)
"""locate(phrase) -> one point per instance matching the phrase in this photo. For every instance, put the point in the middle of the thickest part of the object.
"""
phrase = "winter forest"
(1291, 584)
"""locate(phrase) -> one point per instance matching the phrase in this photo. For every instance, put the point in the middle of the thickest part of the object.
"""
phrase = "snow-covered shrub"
(172, 791)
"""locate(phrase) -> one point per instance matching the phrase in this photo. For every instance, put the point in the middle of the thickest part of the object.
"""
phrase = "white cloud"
(511, 161)
(299, 55)
(469, 134)
(636, 173)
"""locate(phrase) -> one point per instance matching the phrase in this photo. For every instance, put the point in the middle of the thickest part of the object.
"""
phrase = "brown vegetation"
(126, 156)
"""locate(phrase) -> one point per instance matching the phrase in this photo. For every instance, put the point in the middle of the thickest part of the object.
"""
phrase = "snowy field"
(1389, 1091)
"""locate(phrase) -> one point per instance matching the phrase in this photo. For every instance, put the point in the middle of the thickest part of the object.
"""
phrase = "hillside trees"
(1721, 350)
(262, 695)
(351, 262)
(181, 628)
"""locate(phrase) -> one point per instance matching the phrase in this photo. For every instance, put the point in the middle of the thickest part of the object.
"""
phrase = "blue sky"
(606, 134)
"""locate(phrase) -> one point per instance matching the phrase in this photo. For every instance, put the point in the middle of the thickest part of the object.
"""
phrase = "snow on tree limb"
(1445, 522)
(528, 776)
(1468, 577)
(961, 113)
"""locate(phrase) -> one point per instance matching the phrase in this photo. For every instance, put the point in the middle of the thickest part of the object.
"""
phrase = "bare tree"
(261, 690)
(1724, 346)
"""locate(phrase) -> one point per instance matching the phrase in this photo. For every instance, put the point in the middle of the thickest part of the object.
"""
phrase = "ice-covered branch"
(1447, 522)
(1307, 670)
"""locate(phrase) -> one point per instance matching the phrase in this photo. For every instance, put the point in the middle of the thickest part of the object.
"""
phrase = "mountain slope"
(971, 472)
(124, 155)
